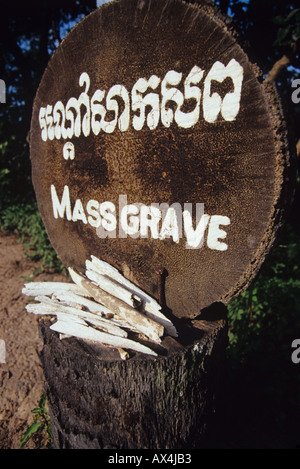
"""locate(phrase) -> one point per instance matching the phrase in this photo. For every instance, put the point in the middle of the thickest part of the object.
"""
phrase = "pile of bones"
(101, 306)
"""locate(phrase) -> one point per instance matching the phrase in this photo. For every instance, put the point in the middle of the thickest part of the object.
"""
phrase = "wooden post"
(98, 401)
(156, 148)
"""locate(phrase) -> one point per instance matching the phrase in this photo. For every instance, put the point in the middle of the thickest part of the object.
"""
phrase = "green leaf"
(31, 430)
(36, 411)
(282, 34)
(286, 20)
(279, 20)
(42, 401)
(295, 13)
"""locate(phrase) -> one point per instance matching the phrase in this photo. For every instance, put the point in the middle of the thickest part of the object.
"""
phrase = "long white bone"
(65, 325)
(49, 308)
(101, 306)
(112, 287)
(94, 307)
(151, 307)
(147, 326)
(50, 288)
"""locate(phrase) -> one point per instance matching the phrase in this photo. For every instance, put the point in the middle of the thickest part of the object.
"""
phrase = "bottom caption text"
(149, 458)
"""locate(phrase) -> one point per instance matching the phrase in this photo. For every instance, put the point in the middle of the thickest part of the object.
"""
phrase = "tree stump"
(98, 401)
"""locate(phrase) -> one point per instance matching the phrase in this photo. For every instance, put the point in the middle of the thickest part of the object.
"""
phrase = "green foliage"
(289, 31)
(40, 430)
(273, 297)
(263, 322)
(29, 34)
(25, 220)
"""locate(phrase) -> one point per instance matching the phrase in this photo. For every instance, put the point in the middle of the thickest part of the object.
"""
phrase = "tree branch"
(298, 148)
(277, 68)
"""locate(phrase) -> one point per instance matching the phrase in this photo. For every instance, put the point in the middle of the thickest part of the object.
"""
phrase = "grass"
(40, 430)
(25, 221)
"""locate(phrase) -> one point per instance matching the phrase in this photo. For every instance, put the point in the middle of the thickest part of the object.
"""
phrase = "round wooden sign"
(155, 147)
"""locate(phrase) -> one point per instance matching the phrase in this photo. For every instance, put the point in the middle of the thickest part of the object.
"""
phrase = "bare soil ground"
(21, 375)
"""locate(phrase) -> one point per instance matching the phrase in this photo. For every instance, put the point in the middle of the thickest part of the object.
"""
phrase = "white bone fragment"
(62, 317)
(111, 287)
(49, 307)
(144, 324)
(68, 318)
(94, 307)
(151, 306)
(123, 354)
(64, 336)
(88, 333)
(49, 288)
(110, 328)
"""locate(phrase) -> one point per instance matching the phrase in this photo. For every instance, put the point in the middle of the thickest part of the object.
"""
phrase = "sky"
(101, 2)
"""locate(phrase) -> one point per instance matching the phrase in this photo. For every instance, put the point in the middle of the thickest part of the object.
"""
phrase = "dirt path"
(21, 376)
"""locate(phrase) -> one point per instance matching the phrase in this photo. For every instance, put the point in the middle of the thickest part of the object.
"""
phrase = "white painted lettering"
(69, 151)
(97, 109)
(189, 119)
(112, 105)
(170, 94)
(156, 221)
(149, 218)
(107, 212)
(213, 104)
(59, 208)
(78, 212)
(129, 220)
(165, 105)
(215, 233)
(43, 124)
(85, 101)
(170, 225)
(92, 208)
(195, 238)
(139, 103)
(59, 120)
